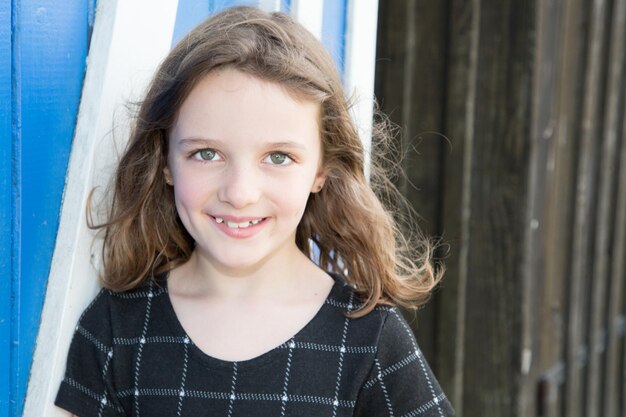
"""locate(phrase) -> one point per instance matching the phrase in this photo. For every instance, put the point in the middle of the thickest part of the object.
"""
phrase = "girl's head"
(244, 157)
(346, 221)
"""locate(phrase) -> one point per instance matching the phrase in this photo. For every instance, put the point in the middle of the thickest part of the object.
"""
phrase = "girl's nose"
(239, 187)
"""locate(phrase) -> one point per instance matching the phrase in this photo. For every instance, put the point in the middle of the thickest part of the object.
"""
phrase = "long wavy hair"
(352, 220)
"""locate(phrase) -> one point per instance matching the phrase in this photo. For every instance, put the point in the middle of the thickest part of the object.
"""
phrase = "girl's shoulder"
(399, 377)
(110, 310)
(348, 299)
(344, 298)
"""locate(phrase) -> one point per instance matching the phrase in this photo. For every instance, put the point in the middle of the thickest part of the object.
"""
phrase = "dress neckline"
(263, 359)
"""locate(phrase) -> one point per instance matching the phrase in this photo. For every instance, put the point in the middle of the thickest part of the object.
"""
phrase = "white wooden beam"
(116, 74)
(310, 14)
(269, 5)
(360, 63)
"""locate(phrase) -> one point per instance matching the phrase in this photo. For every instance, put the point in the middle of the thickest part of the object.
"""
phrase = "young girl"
(243, 163)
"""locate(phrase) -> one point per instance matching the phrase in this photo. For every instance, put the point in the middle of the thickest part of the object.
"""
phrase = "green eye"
(278, 158)
(206, 154)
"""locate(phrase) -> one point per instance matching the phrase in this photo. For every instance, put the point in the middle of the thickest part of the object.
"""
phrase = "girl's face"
(243, 158)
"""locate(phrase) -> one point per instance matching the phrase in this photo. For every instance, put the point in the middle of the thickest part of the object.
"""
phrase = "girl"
(243, 160)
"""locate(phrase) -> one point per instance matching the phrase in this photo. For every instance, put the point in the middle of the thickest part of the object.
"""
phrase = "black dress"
(130, 356)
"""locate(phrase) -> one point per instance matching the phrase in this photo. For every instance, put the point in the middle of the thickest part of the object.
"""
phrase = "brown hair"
(356, 233)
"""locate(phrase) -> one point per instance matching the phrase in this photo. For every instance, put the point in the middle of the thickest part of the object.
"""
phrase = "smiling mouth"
(238, 225)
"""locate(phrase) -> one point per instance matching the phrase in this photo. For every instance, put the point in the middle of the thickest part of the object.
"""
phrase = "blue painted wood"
(5, 205)
(217, 5)
(191, 13)
(49, 47)
(188, 15)
(334, 30)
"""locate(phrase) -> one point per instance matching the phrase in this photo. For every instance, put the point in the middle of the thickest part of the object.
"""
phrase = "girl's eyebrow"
(193, 142)
(287, 144)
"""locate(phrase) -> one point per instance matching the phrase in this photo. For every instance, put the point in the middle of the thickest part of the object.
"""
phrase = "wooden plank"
(537, 293)
(413, 95)
(616, 307)
(606, 205)
(560, 207)
(550, 209)
(422, 118)
(422, 110)
(586, 197)
(498, 163)
(464, 21)
(6, 206)
(559, 226)
(359, 66)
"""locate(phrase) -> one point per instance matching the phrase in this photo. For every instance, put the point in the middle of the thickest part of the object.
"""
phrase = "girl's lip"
(236, 232)
(236, 219)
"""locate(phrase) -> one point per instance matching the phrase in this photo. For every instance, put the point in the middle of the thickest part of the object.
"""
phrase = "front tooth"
(235, 225)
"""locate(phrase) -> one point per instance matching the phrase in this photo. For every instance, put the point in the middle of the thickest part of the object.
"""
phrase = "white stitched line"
(76, 385)
(181, 394)
(425, 407)
(87, 335)
(391, 369)
(342, 305)
(103, 400)
(243, 396)
(335, 348)
(284, 397)
(384, 388)
(341, 353)
(420, 360)
(142, 341)
(151, 339)
(232, 390)
(135, 295)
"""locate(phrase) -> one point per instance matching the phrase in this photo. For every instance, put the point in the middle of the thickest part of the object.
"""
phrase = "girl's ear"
(318, 184)
(168, 176)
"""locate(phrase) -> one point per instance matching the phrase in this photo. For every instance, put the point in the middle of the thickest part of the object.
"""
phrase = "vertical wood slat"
(571, 104)
(578, 308)
(535, 316)
(464, 30)
(6, 208)
(422, 112)
(498, 162)
(616, 307)
(560, 207)
(413, 37)
(550, 212)
(605, 219)
(616, 292)
(563, 210)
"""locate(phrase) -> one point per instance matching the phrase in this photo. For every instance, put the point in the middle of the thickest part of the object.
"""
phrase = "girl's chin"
(231, 263)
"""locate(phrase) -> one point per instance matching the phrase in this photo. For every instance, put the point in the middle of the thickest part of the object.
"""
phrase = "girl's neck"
(275, 277)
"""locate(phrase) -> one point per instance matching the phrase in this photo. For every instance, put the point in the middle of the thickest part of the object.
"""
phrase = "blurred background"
(512, 117)
(514, 127)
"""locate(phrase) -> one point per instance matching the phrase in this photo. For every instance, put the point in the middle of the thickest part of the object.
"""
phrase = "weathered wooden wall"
(513, 115)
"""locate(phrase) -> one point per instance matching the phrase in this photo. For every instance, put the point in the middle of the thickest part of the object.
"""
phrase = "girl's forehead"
(230, 78)
(229, 104)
